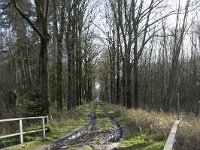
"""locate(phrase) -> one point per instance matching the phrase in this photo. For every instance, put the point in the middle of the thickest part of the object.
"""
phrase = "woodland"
(143, 53)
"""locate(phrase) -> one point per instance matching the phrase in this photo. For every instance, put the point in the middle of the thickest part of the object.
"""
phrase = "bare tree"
(178, 39)
(59, 32)
(41, 29)
(136, 28)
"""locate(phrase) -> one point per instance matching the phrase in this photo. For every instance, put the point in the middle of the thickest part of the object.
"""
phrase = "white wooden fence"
(172, 138)
(21, 133)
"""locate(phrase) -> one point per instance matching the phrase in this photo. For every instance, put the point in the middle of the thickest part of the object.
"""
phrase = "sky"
(172, 5)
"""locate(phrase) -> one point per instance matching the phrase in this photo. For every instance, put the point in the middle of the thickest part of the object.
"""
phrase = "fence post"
(47, 120)
(21, 131)
(43, 127)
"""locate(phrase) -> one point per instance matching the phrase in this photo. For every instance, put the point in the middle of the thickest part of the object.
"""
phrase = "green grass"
(103, 123)
(134, 138)
(137, 137)
(15, 140)
(76, 118)
(55, 132)
(88, 148)
(99, 110)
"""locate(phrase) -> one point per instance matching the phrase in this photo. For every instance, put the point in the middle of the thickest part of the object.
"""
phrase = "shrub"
(160, 124)
(189, 133)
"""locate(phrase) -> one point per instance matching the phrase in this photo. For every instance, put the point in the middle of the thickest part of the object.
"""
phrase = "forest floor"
(96, 126)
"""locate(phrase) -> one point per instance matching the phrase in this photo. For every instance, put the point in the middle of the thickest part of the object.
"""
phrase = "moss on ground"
(134, 138)
(103, 123)
(55, 130)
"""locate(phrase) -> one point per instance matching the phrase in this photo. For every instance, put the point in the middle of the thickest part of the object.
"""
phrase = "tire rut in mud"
(93, 134)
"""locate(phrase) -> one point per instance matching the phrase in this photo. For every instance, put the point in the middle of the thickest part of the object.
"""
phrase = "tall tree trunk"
(69, 100)
(59, 34)
(136, 84)
(135, 69)
(178, 39)
(128, 82)
(59, 74)
(118, 67)
(41, 29)
(43, 76)
(124, 84)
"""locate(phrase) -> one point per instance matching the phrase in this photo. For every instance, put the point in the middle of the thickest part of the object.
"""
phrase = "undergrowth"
(59, 125)
(150, 129)
(189, 133)
(145, 130)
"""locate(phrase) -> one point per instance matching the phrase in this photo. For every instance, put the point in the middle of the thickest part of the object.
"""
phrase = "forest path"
(102, 132)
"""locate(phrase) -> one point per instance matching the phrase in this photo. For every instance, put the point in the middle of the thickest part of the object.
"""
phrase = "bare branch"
(47, 10)
(7, 5)
(27, 19)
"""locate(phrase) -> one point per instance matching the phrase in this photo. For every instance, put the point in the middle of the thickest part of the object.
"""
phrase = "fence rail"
(20, 127)
(172, 138)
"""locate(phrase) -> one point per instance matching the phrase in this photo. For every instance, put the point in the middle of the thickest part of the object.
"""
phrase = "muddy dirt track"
(102, 132)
